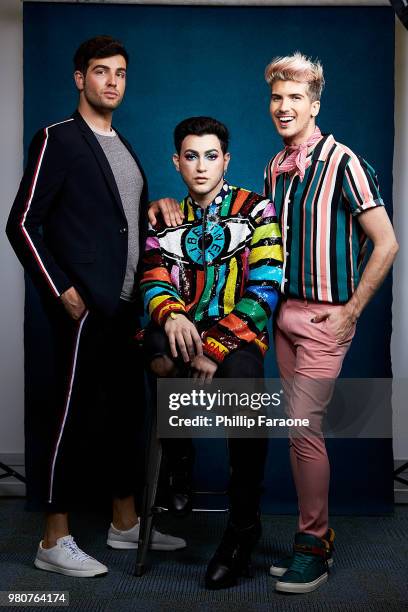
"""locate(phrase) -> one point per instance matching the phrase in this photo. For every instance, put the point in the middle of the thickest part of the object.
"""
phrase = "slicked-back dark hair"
(198, 126)
(98, 47)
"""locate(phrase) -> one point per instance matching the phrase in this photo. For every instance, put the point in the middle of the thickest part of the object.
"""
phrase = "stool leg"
(149, 495)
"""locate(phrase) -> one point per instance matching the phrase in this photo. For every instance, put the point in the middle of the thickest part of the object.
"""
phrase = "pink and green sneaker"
(309, 568)
(281, 566)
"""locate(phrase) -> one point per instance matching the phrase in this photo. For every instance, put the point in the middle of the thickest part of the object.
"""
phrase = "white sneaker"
(66, 558)
(130, 539)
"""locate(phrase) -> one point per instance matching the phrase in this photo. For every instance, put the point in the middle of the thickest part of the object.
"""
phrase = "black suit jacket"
(67, 223)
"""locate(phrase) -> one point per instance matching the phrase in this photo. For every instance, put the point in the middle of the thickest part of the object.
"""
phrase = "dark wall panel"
(210, 60)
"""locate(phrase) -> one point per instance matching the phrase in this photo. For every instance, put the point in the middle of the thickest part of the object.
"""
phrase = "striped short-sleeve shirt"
(323, 242)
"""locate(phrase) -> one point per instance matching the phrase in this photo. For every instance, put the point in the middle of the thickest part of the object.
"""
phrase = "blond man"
(328, 202)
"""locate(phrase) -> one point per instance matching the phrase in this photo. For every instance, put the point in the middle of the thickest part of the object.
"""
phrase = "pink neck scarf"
(296, 159)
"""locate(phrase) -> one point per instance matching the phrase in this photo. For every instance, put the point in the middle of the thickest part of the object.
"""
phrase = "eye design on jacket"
(213, 242)
(221, 241)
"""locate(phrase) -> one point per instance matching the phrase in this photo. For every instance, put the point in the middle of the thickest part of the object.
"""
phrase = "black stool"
(154, 456)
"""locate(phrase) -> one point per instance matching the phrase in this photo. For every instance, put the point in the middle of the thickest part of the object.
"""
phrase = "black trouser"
(247, 456)
(86, 433)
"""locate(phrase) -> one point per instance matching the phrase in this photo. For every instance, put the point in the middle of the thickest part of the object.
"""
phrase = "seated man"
(209, 287)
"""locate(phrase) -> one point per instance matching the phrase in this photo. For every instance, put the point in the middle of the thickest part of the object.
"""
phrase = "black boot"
(180, 493)
(233, 556)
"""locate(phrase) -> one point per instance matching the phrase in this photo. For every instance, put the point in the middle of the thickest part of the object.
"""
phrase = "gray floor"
(370, 572)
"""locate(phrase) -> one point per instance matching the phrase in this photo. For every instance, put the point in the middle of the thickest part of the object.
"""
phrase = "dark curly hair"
(98, 47)
(198, 126)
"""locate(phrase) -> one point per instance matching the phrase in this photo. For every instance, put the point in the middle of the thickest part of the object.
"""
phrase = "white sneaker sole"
(49, 567)
(277, 571)
(132, 545)
(306, 587)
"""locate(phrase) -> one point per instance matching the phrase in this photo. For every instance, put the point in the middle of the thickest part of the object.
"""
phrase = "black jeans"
(84, 438)
(247, 456)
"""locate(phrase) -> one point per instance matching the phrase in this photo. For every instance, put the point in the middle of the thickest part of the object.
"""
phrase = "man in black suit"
(78, 224)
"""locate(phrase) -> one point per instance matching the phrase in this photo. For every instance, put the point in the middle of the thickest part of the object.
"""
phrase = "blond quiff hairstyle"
(297, 67)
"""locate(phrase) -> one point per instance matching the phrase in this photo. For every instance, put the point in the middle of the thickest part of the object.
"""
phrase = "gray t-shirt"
(130, 184)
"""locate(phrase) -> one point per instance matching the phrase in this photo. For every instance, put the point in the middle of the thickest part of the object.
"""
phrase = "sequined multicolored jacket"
(222, 268)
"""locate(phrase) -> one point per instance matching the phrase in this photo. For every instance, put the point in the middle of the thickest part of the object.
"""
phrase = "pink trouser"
(309, 361)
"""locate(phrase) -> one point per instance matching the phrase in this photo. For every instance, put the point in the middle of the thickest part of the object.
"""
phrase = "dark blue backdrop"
(210, 60)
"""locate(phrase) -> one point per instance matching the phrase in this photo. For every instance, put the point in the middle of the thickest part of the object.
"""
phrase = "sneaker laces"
(300, 562)
(74, 551)
(159, 534)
